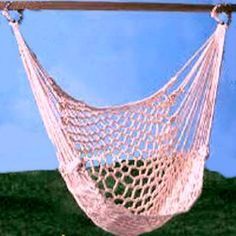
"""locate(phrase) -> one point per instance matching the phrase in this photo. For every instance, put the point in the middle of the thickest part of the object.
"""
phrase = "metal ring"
(9, 17)
(222, 8)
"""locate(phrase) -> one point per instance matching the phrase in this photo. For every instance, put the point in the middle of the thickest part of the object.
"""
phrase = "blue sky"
(106, 58)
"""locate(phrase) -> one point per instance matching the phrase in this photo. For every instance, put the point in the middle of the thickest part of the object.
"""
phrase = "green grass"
(38, 203)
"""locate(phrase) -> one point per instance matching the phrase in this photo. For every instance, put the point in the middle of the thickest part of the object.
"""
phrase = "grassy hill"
(38, 203)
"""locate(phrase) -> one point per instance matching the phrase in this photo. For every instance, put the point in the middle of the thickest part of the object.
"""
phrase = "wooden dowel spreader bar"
(109, 6)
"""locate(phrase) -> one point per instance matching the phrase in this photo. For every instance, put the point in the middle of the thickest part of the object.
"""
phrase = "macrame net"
(133, 167)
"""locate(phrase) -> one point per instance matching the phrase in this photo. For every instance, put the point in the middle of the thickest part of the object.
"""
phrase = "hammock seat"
(131, 168)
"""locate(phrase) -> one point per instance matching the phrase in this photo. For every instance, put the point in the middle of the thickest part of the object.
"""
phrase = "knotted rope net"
(133, 167)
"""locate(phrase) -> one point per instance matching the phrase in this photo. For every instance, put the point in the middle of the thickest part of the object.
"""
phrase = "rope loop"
(217, 11)
(10, 19)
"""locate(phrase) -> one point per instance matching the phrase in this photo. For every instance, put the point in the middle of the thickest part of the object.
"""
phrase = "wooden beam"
(108, 6)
